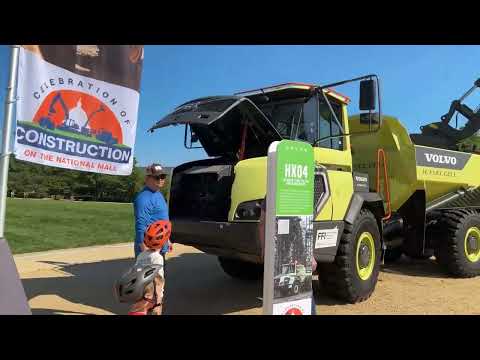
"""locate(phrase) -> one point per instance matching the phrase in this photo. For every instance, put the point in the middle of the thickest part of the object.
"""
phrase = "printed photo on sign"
(293, 261)
(68, 115)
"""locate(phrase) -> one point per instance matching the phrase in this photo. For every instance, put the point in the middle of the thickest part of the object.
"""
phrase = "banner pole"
(7, 129)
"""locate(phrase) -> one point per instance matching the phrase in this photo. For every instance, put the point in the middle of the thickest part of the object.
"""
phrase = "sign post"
(287, 286)
(7, 130)
(12, 294)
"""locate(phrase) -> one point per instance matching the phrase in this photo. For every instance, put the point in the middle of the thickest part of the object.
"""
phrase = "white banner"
(78, 105)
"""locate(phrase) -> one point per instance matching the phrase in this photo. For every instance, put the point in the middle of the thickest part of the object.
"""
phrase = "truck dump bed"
(411, 167)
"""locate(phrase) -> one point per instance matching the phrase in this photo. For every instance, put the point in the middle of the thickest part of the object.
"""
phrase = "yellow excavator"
(441, 134)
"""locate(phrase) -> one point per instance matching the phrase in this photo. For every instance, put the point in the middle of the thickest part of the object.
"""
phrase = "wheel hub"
(472, 244)
(364, 258)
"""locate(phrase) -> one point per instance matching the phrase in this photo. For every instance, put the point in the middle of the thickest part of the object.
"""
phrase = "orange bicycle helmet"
(157, 234)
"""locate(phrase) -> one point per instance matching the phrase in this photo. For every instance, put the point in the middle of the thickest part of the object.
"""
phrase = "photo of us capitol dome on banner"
(78, 106)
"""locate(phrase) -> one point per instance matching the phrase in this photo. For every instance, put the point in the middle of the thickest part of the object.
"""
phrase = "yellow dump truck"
(377, 194)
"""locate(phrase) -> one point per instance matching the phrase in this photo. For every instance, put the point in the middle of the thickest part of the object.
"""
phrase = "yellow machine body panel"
(393, 138)
(460, 170)
(250, 182)
(341, 186)
(339, 171)
(326, 213)
(410, 167)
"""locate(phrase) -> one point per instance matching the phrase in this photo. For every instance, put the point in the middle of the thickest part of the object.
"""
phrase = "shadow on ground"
(404, 266)
(58, 312)
(195, 285)
(88, 284)
(412, 267)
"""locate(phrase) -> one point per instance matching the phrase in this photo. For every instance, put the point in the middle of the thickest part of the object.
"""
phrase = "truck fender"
(359, 200)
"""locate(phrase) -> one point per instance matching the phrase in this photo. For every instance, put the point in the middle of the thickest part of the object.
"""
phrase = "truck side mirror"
(193, 138)
(368, 95)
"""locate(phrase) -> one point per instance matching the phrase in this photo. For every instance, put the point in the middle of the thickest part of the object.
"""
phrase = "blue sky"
(418, 82)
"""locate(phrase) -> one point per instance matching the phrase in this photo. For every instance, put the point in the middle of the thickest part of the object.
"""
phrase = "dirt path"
(79, 281)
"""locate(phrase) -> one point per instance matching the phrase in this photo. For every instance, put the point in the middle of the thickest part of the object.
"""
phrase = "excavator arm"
(100, 109)
(51, 110)
(457, 105)
(441, 134)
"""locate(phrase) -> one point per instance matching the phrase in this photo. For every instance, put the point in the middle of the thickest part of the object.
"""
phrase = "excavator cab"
(442, 135)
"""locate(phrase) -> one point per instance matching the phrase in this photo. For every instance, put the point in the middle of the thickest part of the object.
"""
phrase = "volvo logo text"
(441, 159)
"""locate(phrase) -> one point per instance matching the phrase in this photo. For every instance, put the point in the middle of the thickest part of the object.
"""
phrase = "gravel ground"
(79, 281)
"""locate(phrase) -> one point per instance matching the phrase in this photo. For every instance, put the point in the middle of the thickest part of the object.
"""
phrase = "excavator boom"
(51, 110)
(441, 134)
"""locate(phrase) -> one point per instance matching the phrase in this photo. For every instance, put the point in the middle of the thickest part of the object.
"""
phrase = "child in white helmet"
(144, 283)
(152, 300)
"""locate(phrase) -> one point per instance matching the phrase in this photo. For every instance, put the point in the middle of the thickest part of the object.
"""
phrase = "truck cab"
(215, 203)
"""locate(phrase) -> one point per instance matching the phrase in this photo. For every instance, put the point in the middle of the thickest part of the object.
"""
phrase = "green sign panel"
(289, 229)
(294, 190)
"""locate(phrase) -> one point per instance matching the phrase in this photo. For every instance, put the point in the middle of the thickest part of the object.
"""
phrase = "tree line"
(37, 181)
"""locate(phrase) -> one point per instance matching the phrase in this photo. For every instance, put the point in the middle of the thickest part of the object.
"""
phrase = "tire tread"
(449, 252)
(336, 277)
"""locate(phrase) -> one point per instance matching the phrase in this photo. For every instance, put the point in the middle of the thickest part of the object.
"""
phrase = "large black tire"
(450, 250)
(242, 270)
(341, 278)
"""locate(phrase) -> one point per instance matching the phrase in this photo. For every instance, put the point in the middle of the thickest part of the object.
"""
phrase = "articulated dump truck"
(378, 194)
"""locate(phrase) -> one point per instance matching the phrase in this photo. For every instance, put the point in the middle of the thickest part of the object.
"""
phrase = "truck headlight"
(249, 210)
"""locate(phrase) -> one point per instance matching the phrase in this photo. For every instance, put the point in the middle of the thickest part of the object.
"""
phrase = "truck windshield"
(287, 269)
(283, 115)
(299, 119)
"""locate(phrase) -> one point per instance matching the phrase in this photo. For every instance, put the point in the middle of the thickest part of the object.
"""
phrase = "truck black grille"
(319, 187)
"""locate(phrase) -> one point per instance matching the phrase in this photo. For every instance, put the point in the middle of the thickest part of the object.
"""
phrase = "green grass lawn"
(38, 225)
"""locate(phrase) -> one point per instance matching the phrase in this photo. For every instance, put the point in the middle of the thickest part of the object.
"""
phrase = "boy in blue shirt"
(149, 206)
